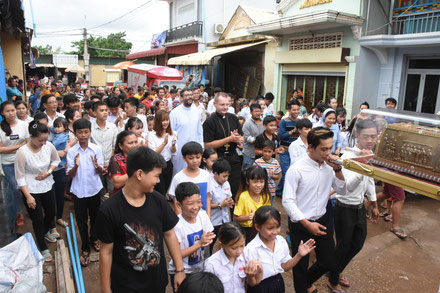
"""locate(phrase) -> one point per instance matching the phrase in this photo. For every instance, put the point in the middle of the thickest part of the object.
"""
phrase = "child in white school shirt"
(193, 231)
(221, 196)
(229, 265)
(272, 251)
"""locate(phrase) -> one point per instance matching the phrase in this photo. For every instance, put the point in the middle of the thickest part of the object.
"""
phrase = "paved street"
(386, 263)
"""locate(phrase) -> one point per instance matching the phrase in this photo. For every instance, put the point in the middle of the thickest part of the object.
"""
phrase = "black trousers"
(84, 208)
(42, 222)
(60, 179)
(303, 276)
(274, 284)
(165, 179)
(351, 232)
(235, 176)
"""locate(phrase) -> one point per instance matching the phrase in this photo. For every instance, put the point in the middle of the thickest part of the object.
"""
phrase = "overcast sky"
(56, 15)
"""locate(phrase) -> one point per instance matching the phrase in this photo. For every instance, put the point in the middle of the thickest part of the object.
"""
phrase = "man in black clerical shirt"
(222, 132)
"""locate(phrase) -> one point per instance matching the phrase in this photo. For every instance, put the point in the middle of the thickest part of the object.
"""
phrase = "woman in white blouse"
(34, 164)
(163, 140)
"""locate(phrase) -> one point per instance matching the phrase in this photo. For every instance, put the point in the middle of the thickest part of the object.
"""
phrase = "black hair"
(145, 159)
(97, 104)
(217, 90)
(254, 106)
(81, 124)
(201, 85)
(85, 114)
(70, 113)
(257, 172)
(230, 233)
(120, 140)
(266, 213)
(269, 144)
(341, 111)
(130, 89)
(365, 104)
(173, 91)
(365, 124)
(150, 118)
(160, 88)
(132, 122)
(241, 118)
(95, 97)
(44, 101)
(281, 113)
(293, 102)
(202, 282)
(269, 96)
(186, 189)
(391, 100)
(153, 110)
(299, 98)
(113, 102)
(191, 148)
(321, 107)
(268, 119)
(132, 101)
(220, 166)
(36, 128)
(88, 105)
(185, 89)
(40, 116)
(166, 87)
(21, 102)
(4, 125)
(60, 121)
(70, 98)
(317, 134)
(303, 123)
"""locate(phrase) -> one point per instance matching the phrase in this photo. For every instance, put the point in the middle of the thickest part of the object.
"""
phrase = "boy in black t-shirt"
(132, 225)
(269, 133)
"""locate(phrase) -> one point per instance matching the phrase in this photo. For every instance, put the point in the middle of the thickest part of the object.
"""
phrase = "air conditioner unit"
(219, 28)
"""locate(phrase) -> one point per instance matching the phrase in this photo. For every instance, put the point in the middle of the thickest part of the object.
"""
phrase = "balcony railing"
(417, 23)
(186, 31)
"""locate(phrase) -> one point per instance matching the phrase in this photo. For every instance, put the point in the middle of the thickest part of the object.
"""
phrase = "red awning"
(149, 53)
(183, 49)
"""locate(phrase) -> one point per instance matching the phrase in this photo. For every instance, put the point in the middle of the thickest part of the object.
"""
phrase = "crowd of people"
(191, 169)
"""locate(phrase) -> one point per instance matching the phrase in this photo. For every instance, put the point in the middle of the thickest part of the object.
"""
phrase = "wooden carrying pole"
(63, 271)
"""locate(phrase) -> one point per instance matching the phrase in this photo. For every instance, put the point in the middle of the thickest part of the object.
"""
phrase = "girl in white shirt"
(34, 164)
(136, 126)
(22, 111)
(228, 263)
(272, 250)
(162, 139)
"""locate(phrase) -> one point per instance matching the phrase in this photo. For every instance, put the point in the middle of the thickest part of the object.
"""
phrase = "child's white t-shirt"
(189, 234)
(202, 180)
(18, 135)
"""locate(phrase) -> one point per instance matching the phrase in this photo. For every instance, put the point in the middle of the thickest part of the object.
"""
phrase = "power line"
(111, 50)
(125, 14)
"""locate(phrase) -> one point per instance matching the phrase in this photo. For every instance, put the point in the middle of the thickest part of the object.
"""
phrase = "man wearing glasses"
(185, 120)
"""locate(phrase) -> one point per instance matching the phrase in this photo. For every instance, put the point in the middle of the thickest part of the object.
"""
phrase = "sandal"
(334, 290)
(62, 223)
(47, 256)
(344, 282)
(19, 222)
(388, 218)
(399, 233)
(55, 232)
(50, 237)
(384, 214)
(84, 258)
(96, 246)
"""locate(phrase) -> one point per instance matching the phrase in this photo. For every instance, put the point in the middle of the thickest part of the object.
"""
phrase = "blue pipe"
(72, 258)
(78, 263)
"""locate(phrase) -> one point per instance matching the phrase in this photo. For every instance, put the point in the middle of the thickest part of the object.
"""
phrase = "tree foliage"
(112, 41)
(48, 50)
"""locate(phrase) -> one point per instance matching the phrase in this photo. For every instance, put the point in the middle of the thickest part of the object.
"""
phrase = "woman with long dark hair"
(34, 164)
(163, 141)
(117, 168)
(22, 111)
(13, 134)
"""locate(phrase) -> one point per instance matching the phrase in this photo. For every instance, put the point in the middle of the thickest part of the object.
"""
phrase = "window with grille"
(321, 41)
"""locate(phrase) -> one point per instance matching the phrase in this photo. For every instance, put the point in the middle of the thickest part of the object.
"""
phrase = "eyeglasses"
(188, 95)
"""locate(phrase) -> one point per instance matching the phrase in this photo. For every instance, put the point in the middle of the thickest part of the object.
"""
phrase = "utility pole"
(86, 56)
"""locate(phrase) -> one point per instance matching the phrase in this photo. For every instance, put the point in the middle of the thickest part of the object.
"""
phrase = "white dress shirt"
(230, 275)
(218, 194)
(357, 184)
(271, 260)
(297, 150)
(154, 142)
(86, 182)
(29, 165)
(307, 189)
(105, 139)
(211, 107)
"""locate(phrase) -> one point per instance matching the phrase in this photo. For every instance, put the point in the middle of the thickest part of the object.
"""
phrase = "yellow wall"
(12, 54)
(97, 74)
(269, 65)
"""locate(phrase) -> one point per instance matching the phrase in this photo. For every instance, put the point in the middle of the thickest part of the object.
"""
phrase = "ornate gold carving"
(309, 3)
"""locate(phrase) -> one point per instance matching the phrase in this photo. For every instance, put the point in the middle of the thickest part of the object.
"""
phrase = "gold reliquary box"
(406, 150)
